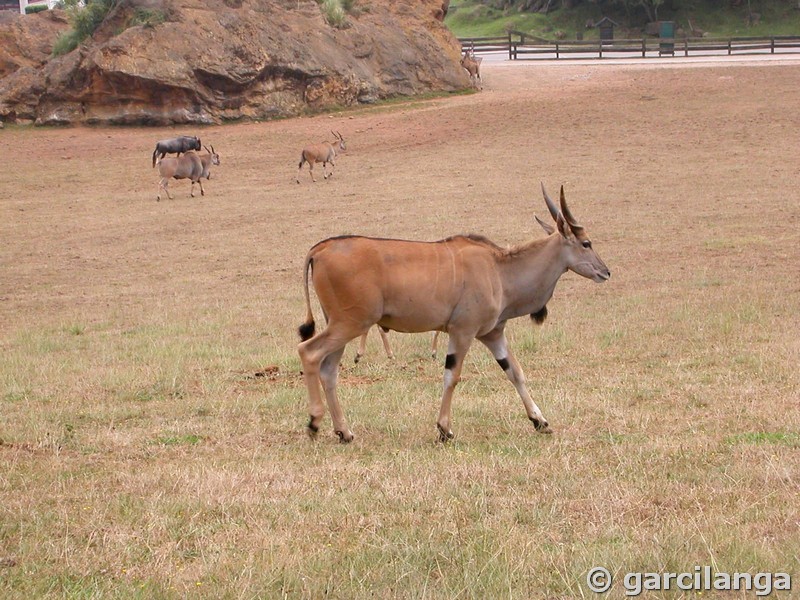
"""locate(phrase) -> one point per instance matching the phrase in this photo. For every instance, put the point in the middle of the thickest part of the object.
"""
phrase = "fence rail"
(521, 46)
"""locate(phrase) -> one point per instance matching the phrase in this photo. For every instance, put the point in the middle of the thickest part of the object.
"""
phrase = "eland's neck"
(530, 274)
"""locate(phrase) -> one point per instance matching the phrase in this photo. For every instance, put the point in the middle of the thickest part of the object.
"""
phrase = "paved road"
(591, 59)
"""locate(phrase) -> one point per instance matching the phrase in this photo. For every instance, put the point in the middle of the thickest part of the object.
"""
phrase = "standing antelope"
(464, 285)
(473, 67)
(323, 152)
(189, 166)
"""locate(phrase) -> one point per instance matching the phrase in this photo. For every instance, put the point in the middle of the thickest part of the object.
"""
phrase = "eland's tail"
(306, 330)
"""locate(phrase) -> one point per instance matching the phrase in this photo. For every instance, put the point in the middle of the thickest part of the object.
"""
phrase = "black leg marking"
(541, 426)
(504, 364)
(540, 315)
(450, 361)
(312, 429)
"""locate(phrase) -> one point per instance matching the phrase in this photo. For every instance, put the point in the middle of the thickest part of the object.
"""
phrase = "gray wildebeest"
(189, 166)
(464, 285)
(177, 145)
(324, 153)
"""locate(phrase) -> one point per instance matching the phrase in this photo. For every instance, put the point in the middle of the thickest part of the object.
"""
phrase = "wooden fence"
(520, 46)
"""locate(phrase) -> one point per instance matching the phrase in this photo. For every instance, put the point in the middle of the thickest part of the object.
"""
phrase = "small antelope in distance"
(323, 152)
(177, 145)
(473, 67)
(464, 285)
(362, 344)
(189, 166)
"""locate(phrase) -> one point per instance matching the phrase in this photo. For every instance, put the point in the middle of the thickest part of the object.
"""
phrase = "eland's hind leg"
(320, 357)
(328, 375)
(362, 347)
(385, 339)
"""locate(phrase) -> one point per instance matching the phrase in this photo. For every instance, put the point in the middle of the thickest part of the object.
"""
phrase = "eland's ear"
(563, 226)
(549, 229)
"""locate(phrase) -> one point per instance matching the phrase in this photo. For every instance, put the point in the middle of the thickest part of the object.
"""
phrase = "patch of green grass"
(766, 437)
(148, 17)
(334, 13)
(180, 440)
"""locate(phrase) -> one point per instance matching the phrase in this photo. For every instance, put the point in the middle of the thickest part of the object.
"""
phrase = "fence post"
(644, 47)
(772, 45)
(729, 47)
(510, 53)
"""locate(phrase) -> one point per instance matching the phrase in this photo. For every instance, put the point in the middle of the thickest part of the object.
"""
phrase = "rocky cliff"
(217, 60)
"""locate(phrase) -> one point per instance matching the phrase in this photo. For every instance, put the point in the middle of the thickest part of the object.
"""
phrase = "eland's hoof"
(445, 435)
(345, 438)
(541, 426)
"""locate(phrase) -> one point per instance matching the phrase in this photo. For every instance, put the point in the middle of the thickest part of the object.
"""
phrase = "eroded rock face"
(219, 60)
(27, 40)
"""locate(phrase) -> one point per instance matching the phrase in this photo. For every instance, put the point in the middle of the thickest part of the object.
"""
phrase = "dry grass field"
(152, 411)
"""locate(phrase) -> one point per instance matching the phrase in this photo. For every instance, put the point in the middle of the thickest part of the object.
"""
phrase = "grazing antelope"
(362, 344)
(176, 145)
(464, 285)
(324, 152)
(189, 166)
(473, 66)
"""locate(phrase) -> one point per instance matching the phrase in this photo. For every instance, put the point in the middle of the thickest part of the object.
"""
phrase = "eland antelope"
(464, 285)
(189, 166)
(472, 64)
(324, 153)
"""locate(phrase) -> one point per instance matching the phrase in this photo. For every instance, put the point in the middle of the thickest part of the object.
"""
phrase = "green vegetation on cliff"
(569, 18)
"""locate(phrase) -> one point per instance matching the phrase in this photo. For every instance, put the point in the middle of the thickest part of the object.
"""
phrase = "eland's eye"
(587, 244)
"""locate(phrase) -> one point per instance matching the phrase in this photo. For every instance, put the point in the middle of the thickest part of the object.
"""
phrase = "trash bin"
(666, 31)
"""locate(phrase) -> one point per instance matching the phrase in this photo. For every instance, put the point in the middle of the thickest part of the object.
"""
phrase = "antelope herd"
(196, 167)
(464, 285)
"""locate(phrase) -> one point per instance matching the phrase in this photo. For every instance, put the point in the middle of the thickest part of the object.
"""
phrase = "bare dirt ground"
(132, 331)
(648, 156)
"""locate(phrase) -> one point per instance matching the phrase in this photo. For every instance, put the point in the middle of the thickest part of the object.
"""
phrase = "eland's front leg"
(496, 342)
(457, 349)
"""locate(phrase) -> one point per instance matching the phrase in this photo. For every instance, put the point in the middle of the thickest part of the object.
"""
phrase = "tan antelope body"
(324, 153)
(464, 285)
(472, 64)
(189, 166)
